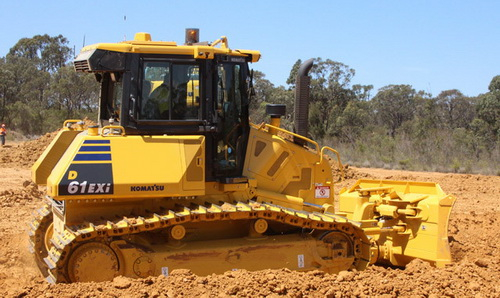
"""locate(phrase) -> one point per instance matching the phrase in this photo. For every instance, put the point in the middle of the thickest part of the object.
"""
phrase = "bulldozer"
(176, 176)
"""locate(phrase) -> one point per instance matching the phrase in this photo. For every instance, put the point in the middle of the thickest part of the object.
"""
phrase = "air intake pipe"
(302, 85)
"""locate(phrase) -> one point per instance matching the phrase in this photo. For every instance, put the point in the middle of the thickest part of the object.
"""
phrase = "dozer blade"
(405, 219)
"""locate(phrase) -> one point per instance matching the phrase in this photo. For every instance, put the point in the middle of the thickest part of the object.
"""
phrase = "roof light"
(192, 35)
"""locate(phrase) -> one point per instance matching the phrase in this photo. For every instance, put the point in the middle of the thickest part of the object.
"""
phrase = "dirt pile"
(21, 197)
(25, 154)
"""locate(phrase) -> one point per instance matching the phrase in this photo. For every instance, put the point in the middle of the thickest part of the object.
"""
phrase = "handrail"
(111, 130)
(67, 124)
(294, 134)
(339, 163)
(222, 41)
(319, 152)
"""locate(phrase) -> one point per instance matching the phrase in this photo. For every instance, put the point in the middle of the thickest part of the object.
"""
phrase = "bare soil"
(474, 231)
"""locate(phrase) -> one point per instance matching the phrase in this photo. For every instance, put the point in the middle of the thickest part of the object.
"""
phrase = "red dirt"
(474, 231)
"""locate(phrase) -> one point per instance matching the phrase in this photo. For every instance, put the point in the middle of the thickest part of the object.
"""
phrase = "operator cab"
(160, 88)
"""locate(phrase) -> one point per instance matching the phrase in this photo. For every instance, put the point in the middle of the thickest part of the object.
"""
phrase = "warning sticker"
(322, 192)
(300, 261)
(164, 271)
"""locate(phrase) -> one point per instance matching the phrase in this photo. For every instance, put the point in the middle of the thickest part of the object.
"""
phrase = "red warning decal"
(322, 192)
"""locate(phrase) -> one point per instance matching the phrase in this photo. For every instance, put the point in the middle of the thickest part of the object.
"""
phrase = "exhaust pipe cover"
(302, 86)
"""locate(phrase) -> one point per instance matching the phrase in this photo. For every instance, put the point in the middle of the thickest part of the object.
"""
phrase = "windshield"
(170, 91)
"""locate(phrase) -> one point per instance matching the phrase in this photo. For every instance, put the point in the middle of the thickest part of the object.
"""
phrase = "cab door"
(231, 107)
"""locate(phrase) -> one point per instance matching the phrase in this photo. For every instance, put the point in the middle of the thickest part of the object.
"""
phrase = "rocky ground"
(474, 232)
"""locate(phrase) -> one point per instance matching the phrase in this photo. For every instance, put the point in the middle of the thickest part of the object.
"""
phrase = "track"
(100, 240)
(40, 231)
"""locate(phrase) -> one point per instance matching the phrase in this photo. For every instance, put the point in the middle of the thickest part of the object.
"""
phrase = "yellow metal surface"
(175, 167)
(143, 44)
(42, 168)
(406, 219)
(260, 226)
(93, 262)
(177, 232)
(287, 172)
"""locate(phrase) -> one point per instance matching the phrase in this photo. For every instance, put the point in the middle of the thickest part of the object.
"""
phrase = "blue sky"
(431, 45)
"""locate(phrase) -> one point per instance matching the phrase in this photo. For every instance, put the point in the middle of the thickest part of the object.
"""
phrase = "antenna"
(83, 41)
(124, 20)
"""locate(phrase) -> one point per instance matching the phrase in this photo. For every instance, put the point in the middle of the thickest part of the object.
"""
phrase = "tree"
(488, 108)
(73, 91)
(353, 120)
(329, 95)
(48, 52)
(393, 105)
(35, 85)
(7, 90)
(455, 109)
(494, 84)
(267, 93)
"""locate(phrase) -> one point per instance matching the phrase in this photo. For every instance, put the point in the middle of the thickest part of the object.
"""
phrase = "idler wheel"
(177, 232)
(260, 226)
(93, 262)
(48, 236)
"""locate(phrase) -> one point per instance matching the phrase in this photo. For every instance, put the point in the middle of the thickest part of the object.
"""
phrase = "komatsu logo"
(147, 188)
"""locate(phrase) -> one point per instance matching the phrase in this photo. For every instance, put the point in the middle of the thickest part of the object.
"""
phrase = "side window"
(111, 98)
(117, 100)
(170, 91)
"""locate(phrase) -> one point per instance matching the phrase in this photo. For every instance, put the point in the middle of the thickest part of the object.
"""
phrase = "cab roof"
(143, 43)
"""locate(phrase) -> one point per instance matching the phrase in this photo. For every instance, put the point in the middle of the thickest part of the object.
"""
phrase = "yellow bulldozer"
(176, 176)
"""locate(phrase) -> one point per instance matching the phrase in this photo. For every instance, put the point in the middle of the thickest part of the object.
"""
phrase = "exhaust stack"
(302, 85)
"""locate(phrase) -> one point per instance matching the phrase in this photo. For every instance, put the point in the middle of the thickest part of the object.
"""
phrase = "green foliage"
(267, 93)
(488, 110)
(336, 108)
(39, 88)
(48, 53)
(494, 84)
(454, 109)
(393, 105)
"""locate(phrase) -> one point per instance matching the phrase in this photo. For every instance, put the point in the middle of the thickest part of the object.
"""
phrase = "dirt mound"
(23, 155)
(21, 197)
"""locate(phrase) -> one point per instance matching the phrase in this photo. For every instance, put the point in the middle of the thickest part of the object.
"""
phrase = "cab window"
(170, 91)
(230, 100)
(110, 97)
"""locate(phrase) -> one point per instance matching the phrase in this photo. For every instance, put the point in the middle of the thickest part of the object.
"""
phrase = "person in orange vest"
(3, 133)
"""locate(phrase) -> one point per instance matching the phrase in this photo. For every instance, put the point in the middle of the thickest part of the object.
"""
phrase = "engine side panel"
(283, 167)
(130, 166)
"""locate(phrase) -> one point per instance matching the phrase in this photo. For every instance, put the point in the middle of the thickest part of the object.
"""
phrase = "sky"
(431, 45)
